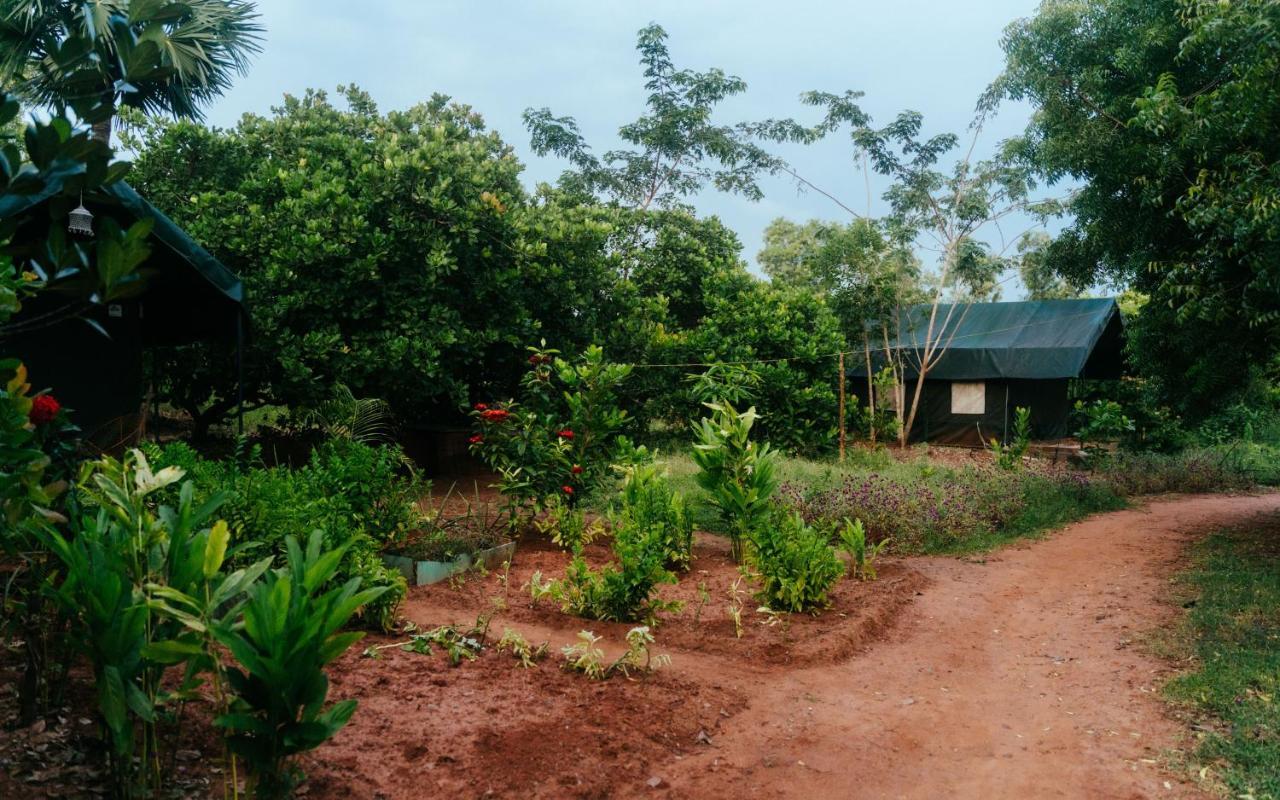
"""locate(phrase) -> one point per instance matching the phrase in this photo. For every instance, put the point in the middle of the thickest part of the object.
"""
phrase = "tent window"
(968, 398)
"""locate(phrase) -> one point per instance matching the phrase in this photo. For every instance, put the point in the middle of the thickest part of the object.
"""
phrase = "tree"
(790, 249)
(397, 254)
(1037, 274)
(154, 55)
(1166, 112)
(675, 148)
(944, 211)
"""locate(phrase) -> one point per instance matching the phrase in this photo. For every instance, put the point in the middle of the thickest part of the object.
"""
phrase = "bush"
(923, 508)
(794, 562)
(622, 593)
(357, 494)
(560, 439)
(1204, 470)
(737, 474)
(648, 502)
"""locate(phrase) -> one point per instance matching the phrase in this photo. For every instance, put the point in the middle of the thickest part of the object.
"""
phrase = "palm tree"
(93, 56)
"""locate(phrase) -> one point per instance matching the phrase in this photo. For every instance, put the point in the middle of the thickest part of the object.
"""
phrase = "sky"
(578, 58)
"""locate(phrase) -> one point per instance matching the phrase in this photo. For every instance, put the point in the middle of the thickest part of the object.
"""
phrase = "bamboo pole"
(842, 407)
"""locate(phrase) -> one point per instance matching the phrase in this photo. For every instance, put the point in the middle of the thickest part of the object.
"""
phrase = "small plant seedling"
(736, 594)
(704, 597)
(519, 647)
(585, 657)
(862, 557)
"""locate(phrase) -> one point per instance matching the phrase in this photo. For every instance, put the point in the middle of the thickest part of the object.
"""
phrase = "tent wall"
(935, 422)
(98, 378)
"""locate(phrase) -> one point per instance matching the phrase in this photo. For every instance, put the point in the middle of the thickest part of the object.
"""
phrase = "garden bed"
(860, 611)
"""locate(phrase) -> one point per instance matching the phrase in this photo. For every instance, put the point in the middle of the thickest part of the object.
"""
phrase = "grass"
(1044, 506)
(1232, 633)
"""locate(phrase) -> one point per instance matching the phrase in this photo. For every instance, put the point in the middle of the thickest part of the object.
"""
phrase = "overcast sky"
(578, 58)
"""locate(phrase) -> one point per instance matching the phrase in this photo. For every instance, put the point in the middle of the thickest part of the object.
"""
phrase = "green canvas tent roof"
(190, 294)
(1032, 339)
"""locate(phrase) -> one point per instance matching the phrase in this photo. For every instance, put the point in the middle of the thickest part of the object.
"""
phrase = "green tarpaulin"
(1032, 339)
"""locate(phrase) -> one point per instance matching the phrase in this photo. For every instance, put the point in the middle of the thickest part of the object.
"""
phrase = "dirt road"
(1018, 676)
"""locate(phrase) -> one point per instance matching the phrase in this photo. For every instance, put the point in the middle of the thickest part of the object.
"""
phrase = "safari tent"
(188, 296)
(999, 356)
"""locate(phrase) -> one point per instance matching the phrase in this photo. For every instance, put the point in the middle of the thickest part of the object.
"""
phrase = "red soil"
(1015, 675)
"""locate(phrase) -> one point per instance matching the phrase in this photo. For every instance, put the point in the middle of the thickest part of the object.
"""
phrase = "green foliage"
(794, 562)
(1009, 456)
(737, 474)
(568, 526)
(676, 150)
(623, 593)
(1102, 423)
(862, 558)
(161, 58)
(366, 420)
(291, 631)
(560, 439)
(1173, 147)
(395, 253)
(648, 503)
(734, 383)
(586, 657)
(1229, 638)
(358, 495)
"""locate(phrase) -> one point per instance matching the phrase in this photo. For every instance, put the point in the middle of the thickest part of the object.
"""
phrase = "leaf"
(215, 548)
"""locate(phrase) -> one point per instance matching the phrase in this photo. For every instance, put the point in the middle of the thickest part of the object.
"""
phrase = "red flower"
(477, 439)
(535, 359)
(567, 489)
(577, 469)
(44, 409)
(480, 406)
(565, 434)
(495, 415)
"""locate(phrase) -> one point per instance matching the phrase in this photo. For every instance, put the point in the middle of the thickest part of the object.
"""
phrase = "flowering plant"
(557, 441)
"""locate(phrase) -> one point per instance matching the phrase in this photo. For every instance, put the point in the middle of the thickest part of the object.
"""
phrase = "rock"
(703, 737)
(655, 782)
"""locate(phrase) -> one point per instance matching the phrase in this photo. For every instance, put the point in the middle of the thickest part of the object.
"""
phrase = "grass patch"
(1233, 634)
(923, 506)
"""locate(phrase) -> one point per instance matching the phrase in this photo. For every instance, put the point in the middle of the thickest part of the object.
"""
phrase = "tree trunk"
(102, 130)
(871, 387)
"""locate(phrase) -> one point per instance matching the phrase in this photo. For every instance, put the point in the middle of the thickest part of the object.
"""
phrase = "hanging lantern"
(80, 220)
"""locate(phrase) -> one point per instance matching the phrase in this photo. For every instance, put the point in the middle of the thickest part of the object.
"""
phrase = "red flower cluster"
(477, 439)
(565, 434)
(44, 409)
(567, 490)
(577, 469)
(480, 407)
(536, 359)
(495, 415)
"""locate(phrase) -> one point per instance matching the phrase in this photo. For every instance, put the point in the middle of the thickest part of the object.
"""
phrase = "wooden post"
(842, 406)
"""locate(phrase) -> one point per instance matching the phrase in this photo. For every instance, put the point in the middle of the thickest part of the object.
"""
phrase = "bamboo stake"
(842, 407)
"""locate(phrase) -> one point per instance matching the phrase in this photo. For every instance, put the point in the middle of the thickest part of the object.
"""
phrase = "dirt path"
(1016, 677)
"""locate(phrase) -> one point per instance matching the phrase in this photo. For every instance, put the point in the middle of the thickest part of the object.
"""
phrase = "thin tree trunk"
(102, 130)
(871, 386)
(842, 379)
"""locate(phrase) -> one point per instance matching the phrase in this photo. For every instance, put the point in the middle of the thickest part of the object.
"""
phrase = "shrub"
(1204, 470)
(291, 632)
(862, 557)
(560, 439)
(794, 562)
(1009, 456)
(1102, 423)
(737, 474)
(622, 593)
(647, 502)
(357, 494)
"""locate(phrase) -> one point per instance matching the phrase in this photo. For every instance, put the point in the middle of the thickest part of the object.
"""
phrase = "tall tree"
(1166, 111)
(941, 209)
(674, 149)
(154, 55)
(790, 250)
